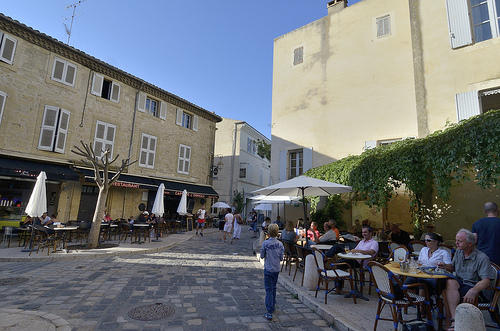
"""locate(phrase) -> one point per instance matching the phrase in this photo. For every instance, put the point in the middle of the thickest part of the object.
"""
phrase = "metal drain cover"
(13, 281)
(151, 312)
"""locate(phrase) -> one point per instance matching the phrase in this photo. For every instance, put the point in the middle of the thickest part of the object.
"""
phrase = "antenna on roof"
(68, 30)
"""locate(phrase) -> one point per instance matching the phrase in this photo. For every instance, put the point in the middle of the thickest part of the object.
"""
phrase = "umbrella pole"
(305, 211)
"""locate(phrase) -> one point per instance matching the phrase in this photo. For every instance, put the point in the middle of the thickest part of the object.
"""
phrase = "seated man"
(367, 246)
(399, 236)
(473, 274)
(280, 224)
(327, 237)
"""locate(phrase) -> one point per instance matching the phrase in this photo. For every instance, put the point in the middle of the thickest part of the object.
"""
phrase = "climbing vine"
(470, 149)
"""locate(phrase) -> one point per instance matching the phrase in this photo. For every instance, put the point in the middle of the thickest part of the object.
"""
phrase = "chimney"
(335, 6)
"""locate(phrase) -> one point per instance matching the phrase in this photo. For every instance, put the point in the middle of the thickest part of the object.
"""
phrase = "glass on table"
(346, 249)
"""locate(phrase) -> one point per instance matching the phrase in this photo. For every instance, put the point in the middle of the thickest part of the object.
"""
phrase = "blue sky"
(216, 54)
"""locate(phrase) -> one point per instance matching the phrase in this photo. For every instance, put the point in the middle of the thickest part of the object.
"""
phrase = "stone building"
(52, 96)
(239, 167)
(379, 71)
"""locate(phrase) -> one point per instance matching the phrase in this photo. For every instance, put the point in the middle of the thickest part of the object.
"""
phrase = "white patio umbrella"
(264, 206)
(303, 186)
(220, 204)
(37, 204)
(158, 205)
(182, 208)
(284, 199)
(158, 208)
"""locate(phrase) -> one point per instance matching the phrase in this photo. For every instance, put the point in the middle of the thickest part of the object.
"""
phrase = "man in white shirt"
(201, 220)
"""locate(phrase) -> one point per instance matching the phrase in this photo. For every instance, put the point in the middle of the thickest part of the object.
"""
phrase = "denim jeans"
(270, 281)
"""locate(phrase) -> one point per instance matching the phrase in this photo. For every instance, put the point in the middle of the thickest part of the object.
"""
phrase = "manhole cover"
(13, 281)
(151, 312)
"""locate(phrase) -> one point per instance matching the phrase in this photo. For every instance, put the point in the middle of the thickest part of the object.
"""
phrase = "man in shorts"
(201, 220)
(473, 274)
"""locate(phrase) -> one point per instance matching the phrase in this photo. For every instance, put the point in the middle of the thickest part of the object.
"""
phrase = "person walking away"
(487, 232)
(222, 222)
(201, 220)
(272, 252)
(238, 221)
(228, 227)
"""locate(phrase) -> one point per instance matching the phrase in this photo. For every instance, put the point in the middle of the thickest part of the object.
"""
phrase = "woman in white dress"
(228, 227)
(237, 225)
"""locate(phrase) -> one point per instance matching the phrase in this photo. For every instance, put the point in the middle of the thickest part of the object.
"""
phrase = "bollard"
(311, 276)
(469, 317)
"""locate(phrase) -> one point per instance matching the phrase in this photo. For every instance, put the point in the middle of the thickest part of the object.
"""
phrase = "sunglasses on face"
(429, 240)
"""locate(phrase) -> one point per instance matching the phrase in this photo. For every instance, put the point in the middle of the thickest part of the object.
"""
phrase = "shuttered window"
(148, 151)
(298, 55)
(64, 72)
(3, 97)
(7, 47)
(186, 120)
(54, 129)
(467, 104)
(104, 139)
(184, 159)
(105, 88)
(383, 26)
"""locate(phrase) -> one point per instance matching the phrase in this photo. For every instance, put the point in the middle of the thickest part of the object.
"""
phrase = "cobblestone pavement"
(206, 284)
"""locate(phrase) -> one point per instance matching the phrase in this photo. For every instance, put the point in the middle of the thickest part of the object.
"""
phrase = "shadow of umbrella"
(158, 208)
(37, 204)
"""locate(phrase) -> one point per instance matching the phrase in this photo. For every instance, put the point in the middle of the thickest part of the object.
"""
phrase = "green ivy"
(446, 158)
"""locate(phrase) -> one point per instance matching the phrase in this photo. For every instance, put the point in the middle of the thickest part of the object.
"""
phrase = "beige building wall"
(354, 89)
(29, 88)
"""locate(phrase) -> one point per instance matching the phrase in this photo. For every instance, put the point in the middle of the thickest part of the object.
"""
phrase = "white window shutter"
(100, 131)
(250, 172)
(178, 117)
(283, 165)
(468, 104)
(8, 48)
(195, 123)
(70, 74)
(3, 97)
(115, 92)
(62, 131)
(370, 144)
(163, 110)
(308, 158)
(48, 129)
(58, 70)
(143, 159)
(187, 159)
(152, 152)
(110, 139)
(180, 166)
(459, 23)
(141, 102)
(97, 84)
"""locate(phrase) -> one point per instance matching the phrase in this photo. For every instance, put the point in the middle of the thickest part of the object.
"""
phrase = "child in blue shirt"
(272, 251)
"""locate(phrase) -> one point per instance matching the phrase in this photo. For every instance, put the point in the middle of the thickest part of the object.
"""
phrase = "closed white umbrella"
(182, 208)
(220, 204)
(37, 204)
(158, 205)
(158, 209)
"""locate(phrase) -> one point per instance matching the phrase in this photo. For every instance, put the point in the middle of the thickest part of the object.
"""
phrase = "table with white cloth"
(64, 231)
(355, 256)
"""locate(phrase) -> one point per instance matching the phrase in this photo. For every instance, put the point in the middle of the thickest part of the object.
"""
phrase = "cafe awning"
(25, 168)
(194, 190)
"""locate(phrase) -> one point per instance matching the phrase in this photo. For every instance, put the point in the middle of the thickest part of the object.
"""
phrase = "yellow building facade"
(52, 96)
(379, 71)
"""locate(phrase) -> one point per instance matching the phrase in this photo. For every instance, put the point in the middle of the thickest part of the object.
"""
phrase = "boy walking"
(272, 251)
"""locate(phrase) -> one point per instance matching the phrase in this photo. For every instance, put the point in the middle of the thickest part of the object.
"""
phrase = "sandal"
(452, 326)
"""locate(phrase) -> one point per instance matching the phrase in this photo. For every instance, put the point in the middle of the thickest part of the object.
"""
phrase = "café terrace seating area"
(57, 237)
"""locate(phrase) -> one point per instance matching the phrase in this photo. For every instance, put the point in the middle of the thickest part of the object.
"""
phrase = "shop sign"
(25, 173)
(123, 184)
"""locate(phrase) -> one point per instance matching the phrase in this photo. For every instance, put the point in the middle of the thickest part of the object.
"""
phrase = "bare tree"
(100, 164)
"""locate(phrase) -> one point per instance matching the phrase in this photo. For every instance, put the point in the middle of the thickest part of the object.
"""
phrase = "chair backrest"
(392, 246)
(400, 254)
(289, 247)
(385, 282)
(416, 245)
(85, 226)
(302, 252)
(447, 248)
(318, 256)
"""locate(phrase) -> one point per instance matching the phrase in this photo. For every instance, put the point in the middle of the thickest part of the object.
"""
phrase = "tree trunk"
(98, 216)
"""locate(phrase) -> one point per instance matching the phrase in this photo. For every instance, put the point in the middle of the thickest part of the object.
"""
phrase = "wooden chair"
(492, 305)
(391, 291)
(290, 256)
(331, 272)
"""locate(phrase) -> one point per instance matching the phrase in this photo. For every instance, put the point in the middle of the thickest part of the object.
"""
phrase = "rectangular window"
(485, 18)
(104, 139)
(148, 151)
(186, 120)
(184, 159)
(251, 146)
(383, 26)
(105, 88)
(7, 47)
(243, 173)
(296, 163)
(3, 97)
(152, 107)
(298, 55)
(64, 72)
(54, 130)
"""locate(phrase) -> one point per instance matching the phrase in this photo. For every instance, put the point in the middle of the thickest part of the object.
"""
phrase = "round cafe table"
(64, 232)
(355, 256)
(322, 247)
(141, 227)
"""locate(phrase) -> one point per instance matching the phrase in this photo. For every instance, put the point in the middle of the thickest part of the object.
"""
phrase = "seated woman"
(430, 256)
(288, 233)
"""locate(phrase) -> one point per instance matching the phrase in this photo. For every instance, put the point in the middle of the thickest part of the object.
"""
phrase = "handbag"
(417, 326)
(240, 220)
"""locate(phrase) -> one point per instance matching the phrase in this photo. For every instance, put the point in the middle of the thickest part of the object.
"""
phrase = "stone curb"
(59, 323)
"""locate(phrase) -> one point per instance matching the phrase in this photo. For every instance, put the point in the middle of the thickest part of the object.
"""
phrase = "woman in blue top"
(288, 233)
